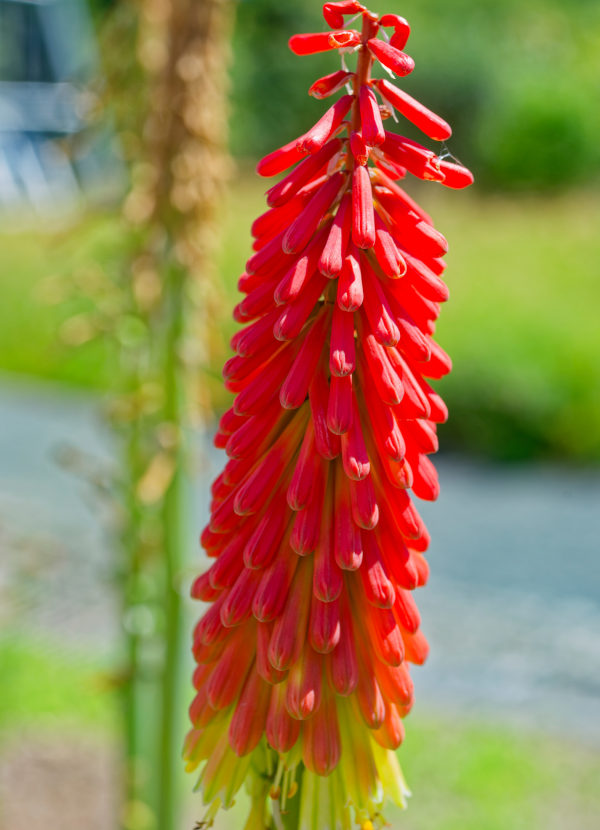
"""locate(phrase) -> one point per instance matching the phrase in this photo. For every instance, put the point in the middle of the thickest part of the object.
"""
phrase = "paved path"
(512, 610)
(513, 604)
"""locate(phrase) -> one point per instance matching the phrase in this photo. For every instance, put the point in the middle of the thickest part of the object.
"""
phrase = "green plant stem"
(173, 520)
(291, 817)
(133, 788)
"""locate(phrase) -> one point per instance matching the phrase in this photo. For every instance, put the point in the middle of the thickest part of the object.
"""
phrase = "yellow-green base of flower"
(353, 795)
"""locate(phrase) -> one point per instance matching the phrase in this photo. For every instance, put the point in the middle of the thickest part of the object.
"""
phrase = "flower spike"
(303, 655)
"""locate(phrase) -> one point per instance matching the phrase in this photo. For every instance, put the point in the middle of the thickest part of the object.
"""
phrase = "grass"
(472, 776)
(48, 685)
(43, 274)
(521, 324)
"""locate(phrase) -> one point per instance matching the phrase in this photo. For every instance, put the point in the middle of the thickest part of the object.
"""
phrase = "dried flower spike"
(302, 679)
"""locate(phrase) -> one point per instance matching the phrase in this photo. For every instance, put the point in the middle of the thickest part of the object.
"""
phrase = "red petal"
(282, 729)
(347, 539)
(456, 176)
(248, 721)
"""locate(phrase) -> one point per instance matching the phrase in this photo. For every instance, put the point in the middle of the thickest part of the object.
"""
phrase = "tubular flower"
(303, 655)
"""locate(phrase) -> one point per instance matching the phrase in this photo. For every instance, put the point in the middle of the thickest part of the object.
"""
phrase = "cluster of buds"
(303, 655)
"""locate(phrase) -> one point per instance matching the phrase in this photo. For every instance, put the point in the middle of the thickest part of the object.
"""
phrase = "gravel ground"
(67, 784)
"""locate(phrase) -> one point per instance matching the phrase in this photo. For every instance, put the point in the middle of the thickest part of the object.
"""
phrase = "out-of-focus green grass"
(469, 776)
(40, 273)
(521, 324)
(47, 686)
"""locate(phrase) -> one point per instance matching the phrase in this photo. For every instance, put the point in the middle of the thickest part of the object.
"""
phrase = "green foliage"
(518, 82)
(546, 138)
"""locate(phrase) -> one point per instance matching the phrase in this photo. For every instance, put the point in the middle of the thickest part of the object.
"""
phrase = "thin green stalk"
(173, 513)
(133, 789)
(291, 818)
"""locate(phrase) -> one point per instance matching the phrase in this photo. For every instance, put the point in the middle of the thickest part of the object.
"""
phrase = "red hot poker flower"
(303, 653)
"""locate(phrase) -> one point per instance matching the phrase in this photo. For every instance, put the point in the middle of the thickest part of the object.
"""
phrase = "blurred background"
(116, 295)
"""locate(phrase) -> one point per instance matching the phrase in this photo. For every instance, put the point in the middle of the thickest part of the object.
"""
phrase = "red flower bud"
(359, 148)
(455, 175)
(372, 125)
(334, 12)
(427, 121)
(363, 215)
(332, 256)
(280, 159)
(316, 137)
(396, 60)
(322, 42)
(326, 86)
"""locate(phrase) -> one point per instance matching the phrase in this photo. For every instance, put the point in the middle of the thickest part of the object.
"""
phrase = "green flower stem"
(174, 525)
(134, 459)
(290, 819)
